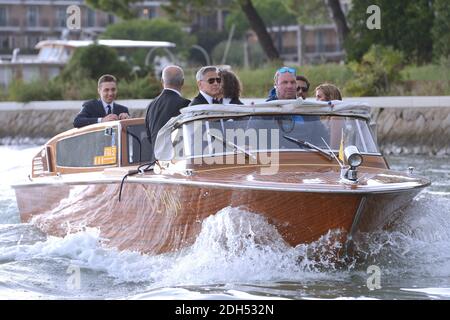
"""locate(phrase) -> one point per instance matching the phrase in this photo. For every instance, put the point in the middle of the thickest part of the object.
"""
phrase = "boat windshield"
(212, 137)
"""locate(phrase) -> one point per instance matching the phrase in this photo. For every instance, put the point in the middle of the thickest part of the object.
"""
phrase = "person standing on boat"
(285, 84)
(166, 105)
(103, 109)
(208, 82)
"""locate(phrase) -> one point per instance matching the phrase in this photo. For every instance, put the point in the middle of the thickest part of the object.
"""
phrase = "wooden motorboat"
(307, 167)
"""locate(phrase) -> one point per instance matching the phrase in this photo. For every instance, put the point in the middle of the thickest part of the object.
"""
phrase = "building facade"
(23, 23)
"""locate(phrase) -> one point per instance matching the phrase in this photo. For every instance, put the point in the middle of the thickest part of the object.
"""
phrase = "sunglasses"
(212, 80)
(286, 69)
(303, 89)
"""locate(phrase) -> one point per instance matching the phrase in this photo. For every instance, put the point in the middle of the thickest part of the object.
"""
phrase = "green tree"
(405, 25)
(121, 8)
(92, 62)
(376, 73)
(179, 8)
(235, 55)
(311, 12)
(273, 13)
(441, 29)
(208, 40)
(160, 29)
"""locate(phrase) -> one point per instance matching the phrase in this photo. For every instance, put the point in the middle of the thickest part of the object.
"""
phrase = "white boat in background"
(55, 54)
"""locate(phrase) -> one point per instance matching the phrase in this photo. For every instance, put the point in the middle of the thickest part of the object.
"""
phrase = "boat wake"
(13, 160)
(234, 245)
(235, 249)
(414, 243)
(240, 246)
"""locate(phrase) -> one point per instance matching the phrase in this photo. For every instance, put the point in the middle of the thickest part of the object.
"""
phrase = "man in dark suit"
(103, 109)
(167, 104)
(208, 82)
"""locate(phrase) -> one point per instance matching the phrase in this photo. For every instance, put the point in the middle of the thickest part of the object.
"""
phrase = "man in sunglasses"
(208, 82)
(302, 87)
(285, 85)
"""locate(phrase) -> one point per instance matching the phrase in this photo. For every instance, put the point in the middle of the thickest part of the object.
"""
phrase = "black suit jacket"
(159, 111)
(199, 99)
(235, 101)
(92, 110)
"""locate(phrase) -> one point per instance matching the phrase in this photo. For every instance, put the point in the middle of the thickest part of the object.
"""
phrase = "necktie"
(109, 109)
(216, 101)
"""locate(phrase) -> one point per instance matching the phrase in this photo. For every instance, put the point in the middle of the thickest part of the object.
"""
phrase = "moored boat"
(307, 167)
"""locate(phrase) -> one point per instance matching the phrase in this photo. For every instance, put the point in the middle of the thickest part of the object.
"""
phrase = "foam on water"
(233, 246)
(436, 293)
(15, 164)
(185, 294)
(240, 247)
(237, 255)
(415, 245)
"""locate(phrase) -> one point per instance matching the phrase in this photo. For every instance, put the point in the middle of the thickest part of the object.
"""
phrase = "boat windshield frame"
(213, 137)
(164, 147)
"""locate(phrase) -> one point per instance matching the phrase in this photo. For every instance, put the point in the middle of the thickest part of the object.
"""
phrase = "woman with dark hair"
(231, 87)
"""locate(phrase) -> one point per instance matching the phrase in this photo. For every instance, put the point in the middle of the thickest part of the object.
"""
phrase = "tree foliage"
(405, 25)
(189, 8)
(312, 12)
(121, 8)
(441, 29)
(376, 73)
(235, 55)
(179, 8)
(159, 29)
(273, 13)
(93, 61)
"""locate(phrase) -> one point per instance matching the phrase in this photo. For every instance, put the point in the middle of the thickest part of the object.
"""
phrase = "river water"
(411, 261)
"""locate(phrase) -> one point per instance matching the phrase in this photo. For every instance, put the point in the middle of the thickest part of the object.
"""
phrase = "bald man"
(167, 104)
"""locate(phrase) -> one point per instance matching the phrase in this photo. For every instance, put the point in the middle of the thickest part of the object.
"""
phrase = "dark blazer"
(235, 101)
(199, 99)
(159, 111)
(92, 110)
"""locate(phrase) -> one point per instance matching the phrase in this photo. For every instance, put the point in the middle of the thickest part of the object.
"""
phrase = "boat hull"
(156, 218)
